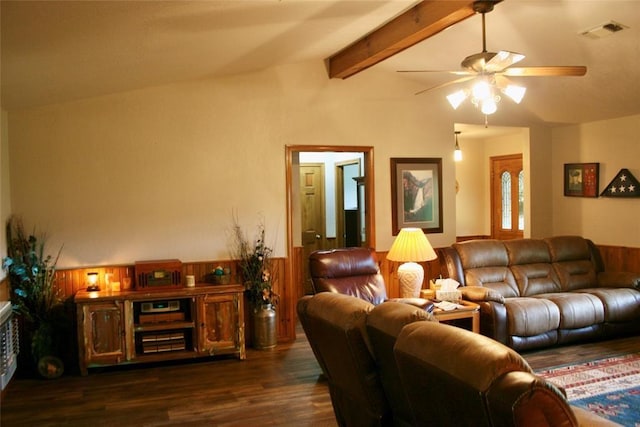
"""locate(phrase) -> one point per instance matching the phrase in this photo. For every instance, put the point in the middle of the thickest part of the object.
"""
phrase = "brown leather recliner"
(335, 327)
(354, 271)
(384, 324)
(454, 377)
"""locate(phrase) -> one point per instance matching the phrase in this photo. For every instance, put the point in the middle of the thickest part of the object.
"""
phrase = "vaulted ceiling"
(55, 51)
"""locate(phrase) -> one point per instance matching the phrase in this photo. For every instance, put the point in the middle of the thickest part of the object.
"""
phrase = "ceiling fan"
(492, 70)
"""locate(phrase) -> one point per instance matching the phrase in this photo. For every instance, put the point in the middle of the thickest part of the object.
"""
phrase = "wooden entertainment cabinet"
(117, 328)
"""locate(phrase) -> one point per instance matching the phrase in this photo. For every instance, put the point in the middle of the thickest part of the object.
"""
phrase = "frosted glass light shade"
(457, 98)
(457, 155)
(516, 93)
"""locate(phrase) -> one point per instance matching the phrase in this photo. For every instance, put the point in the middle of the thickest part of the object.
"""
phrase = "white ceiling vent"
(604, 30)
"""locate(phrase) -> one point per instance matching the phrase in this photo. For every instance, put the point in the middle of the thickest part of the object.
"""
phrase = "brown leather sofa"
(544, 292)
(388, 365)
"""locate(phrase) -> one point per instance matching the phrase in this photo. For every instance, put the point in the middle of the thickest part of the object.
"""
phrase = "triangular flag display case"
(623, 185)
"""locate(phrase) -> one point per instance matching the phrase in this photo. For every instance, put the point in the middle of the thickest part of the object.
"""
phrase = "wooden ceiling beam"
(416, 24)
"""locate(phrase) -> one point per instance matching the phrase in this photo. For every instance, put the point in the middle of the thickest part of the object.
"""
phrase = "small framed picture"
(581, 179)
(416, 194)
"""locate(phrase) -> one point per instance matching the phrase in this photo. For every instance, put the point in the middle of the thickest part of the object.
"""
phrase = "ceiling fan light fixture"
(457, 98)
(515, 92)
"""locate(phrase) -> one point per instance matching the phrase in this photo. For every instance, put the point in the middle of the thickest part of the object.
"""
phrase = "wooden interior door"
(312, 211)
(507, 197)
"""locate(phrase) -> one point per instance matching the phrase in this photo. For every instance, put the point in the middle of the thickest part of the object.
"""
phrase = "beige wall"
(157, 173)
(471, 206)
(474, 199)
(608, 221)
(614, 144)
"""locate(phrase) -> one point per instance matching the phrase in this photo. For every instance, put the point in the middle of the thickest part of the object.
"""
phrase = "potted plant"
(34, 298)
(254, 263)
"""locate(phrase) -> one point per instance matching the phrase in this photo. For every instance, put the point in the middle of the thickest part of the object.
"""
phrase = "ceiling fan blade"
(460, 80)
(569, 70)
(502, 60)
(457, 73)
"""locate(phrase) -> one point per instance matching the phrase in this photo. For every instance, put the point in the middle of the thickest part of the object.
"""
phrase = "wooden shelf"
(154, 327)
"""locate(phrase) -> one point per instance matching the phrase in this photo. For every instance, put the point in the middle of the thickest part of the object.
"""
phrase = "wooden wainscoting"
(4, 289)
(620, 258)
(476, 237)
(69, 281)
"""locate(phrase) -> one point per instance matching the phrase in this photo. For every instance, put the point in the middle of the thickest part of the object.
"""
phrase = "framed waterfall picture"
(581, 179)
(416, 194)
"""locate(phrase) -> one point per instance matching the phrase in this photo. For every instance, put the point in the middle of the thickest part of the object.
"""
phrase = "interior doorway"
(348, 224)
(297, 180)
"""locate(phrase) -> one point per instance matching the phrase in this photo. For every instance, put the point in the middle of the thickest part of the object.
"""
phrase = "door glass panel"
(506, 201)
(521, 201)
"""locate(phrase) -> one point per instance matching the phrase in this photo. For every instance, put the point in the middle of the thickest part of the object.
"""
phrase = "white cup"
(191, 281)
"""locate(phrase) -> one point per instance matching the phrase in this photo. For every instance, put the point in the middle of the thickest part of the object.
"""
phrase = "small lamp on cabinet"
(92, 280)
(411, 247)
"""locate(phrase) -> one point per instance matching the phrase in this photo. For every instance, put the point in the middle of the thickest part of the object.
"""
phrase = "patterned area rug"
(607, 387)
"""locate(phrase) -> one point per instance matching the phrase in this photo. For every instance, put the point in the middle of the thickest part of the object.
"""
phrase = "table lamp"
(92, 279)
(410, 247)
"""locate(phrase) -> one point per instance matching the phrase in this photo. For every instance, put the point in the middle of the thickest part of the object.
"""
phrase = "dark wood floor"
(280, 387)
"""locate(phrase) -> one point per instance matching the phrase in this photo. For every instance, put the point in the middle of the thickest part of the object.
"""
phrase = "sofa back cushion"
(486, 263)
(350, 271)
(572, 262)
(527, 251)
(447, 371)
(530, 263)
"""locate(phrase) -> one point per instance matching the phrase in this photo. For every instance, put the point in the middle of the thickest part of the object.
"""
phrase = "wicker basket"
(218, 279)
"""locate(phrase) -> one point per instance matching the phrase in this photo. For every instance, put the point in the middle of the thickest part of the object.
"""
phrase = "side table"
(470, 310)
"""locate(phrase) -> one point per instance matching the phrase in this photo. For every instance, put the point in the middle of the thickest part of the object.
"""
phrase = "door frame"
(292, 185)
(339, 174)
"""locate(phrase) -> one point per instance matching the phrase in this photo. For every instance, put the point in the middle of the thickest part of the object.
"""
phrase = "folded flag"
(623, 185)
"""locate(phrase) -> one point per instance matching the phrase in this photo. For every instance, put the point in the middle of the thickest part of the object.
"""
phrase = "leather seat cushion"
(577, 310)
(620, 304)
(527, 316)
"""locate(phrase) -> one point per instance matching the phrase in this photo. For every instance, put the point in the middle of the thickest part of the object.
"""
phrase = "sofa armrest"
(478, 293)
(425, 304)
(618, 279)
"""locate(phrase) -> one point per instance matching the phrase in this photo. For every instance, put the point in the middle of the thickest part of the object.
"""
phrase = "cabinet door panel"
(104, 328)
(219, 323)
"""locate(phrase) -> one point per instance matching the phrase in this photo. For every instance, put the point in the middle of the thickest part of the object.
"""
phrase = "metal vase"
(264, 327)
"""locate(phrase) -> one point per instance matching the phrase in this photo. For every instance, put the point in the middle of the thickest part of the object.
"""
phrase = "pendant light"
(457, 154)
